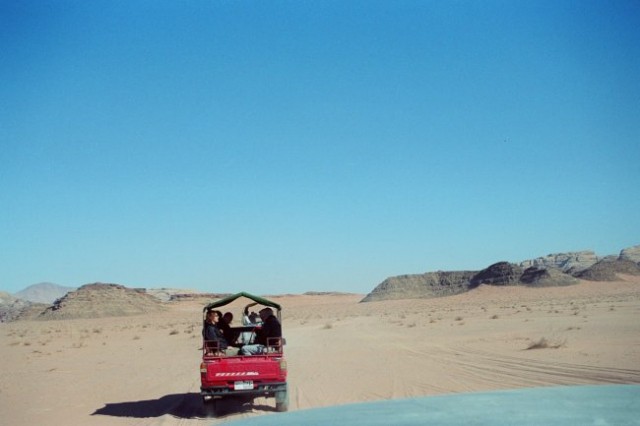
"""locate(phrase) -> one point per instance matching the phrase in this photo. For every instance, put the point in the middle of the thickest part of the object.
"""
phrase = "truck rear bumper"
(262, 389)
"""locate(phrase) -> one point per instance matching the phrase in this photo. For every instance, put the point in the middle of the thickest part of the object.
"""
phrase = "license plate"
(243, 385)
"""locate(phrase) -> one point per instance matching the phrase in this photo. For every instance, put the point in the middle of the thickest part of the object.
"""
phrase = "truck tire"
(210, 407)
(282, 401)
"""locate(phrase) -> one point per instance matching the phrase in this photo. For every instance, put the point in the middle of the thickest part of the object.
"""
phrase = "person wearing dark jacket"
(230, 334)
(211, 332)
(270, 328)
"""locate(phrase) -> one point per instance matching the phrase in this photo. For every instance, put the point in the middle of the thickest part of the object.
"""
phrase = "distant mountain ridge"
(102, 300)
(88, 301)
(43, 292)
(557, 269)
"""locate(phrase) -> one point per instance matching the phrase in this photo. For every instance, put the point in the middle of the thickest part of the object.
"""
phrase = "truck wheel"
(210, 407)
(282, 401)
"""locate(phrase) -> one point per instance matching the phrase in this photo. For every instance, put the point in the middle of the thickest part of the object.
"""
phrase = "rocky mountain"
(12, 309)
(572, 261)
(181, 297)
(631, 253)
(431, 284)
(43, 292)
(102, 300)
(535, 276)
(5, 297)
(606, 270)
(558, 269)
(166, 294)
(501, 273)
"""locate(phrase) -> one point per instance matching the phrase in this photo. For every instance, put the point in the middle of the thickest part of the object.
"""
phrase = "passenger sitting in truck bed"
(211, 333)
(270, 328)
(229, 334)
(250, 318)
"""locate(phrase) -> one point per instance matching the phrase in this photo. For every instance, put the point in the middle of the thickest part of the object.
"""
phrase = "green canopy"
(229, 299)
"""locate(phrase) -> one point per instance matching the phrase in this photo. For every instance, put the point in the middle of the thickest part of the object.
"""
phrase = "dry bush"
(174, 332)
(495, 316)
(543, 343)
(328, 326)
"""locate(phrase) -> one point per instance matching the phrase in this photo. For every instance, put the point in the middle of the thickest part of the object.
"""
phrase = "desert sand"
(145, 369)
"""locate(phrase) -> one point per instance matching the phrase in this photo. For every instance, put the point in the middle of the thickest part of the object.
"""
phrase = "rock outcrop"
(431, 284)
(180, 297)
(546, 277)
(501, 273)
(12, 308)
(631, 253)
(567, 262)
(166, 294)
(557, 269)
(606, 270)
(102, 300)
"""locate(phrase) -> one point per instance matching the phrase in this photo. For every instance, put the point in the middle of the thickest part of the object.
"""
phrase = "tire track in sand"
(469, 369)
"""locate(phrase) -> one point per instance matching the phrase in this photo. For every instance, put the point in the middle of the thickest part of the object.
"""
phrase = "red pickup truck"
(225, 373)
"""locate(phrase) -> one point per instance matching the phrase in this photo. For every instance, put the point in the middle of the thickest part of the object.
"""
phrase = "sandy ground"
(145, 370)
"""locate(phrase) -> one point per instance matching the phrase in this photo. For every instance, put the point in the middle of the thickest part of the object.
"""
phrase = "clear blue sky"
(288, 146)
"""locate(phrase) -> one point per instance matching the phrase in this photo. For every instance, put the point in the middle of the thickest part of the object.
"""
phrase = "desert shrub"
(543, 343)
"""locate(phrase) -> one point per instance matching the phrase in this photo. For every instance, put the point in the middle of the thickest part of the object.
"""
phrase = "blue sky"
(289, 146)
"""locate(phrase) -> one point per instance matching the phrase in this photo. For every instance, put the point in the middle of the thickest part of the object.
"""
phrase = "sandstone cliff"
(571, 261)
(431, 284)
(557, 269)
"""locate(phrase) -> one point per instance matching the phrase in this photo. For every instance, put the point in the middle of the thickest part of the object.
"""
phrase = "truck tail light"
(203, 368)
(283, 365)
